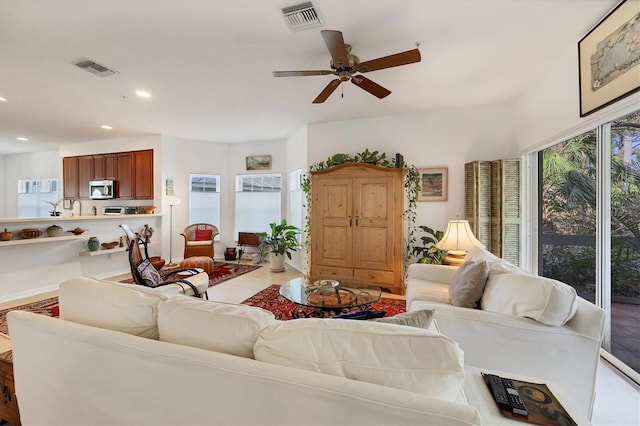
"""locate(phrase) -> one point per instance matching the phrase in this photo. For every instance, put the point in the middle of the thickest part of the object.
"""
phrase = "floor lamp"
(172, 201)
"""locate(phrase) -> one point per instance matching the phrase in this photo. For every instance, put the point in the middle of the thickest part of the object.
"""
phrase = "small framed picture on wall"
(259, 162)
(433, 184)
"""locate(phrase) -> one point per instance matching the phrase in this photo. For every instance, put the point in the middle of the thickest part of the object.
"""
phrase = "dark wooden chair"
(142, 270)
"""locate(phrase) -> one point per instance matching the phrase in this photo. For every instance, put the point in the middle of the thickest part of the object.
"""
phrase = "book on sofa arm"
(528, 402)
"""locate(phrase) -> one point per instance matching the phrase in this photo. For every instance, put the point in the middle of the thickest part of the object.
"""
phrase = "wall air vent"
(302, 16)
(95, 68)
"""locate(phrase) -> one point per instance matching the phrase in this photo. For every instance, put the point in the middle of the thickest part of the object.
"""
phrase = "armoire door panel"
(336, 246)
(373, 235)
(375, 249)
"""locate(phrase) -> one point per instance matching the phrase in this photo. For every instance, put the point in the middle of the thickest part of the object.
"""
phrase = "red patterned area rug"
(48, 307)
(222, 271)
(270, 299)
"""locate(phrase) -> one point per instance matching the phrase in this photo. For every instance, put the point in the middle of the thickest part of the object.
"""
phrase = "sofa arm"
(588, 320)
(442, 274)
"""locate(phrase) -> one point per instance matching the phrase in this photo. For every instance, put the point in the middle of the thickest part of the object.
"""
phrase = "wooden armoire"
(357, 224)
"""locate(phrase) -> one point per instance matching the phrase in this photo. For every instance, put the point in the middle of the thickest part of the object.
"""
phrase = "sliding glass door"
(589, 233)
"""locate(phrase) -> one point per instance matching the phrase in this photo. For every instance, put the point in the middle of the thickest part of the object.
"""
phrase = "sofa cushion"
(468, 283)
(421, 318)
(129, 308)
(413, 359)
(220, 327)
(545, 300)
(496, 264)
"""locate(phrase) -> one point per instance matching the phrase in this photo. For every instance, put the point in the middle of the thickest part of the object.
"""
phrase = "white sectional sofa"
(510, 330)
(203, 362)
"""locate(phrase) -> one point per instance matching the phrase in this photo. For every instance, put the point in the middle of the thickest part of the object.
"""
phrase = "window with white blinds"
(258, 202)
(204, 200)
(36, 195)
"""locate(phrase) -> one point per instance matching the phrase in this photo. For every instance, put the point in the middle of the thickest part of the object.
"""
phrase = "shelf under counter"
(39, 240)
(53, 219)
(103, 251)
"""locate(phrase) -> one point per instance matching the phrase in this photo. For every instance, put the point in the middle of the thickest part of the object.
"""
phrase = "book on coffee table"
(542, 405)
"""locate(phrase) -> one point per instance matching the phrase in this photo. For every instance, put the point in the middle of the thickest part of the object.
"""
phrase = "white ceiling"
(208, 63)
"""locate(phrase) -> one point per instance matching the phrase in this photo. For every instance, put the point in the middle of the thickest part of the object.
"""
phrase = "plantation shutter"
(505, 209)
(478, 199)
(492, 205)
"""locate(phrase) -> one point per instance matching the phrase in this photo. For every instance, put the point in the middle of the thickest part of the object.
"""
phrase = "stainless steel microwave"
(102, 189)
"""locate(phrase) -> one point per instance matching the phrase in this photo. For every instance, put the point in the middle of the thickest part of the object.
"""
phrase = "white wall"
(435, 139)
(549, 111)
(3, 183)
(297, 159)
(44, 164)
(238, 152)
(193, 156)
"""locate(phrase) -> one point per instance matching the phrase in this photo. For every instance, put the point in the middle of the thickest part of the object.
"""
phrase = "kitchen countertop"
(53, 219)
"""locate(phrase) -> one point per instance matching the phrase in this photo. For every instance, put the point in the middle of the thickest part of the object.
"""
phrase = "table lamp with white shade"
(457, 240)
(172, 200)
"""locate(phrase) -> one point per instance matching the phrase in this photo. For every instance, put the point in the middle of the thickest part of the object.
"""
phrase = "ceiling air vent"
(302, 16)
(95, 68)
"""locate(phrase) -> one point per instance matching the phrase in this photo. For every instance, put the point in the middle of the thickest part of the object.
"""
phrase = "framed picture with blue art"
(609, 56)
(433, 184)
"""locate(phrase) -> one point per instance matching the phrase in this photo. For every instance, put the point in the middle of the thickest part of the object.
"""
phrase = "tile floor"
(617, 399)
(625, 333)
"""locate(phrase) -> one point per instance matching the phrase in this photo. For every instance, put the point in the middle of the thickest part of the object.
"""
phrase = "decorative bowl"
(6, 235)
(157, 262)
(109, 246)
(54, 231)
(29, 233)
(77, 231)
(148, 209)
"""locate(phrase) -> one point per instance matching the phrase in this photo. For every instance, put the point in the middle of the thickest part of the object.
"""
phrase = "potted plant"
(429, 253)
(282, 240)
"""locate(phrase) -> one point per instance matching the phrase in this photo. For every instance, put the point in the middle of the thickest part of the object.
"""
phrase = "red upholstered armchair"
(198, 239)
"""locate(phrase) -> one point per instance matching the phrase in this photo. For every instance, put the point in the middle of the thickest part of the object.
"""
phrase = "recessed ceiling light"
(143, 94)
(22, 138)
(3, 99)
(106, 127)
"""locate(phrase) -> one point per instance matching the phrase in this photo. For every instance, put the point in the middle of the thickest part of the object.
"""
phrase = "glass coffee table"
(329, 296)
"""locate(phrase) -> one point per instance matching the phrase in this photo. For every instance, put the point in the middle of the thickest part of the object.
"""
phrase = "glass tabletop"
(330, 292)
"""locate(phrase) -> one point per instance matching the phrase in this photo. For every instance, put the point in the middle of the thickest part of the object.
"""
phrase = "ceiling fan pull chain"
(342, 88)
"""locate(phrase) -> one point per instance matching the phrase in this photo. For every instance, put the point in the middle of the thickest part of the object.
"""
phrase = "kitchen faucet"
(79, 205)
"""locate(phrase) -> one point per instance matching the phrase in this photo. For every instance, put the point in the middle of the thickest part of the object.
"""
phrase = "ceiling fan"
(345, 66)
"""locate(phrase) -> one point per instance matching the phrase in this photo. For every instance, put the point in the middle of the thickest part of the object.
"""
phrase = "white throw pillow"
(413, 359)
(496, 264)
(545, 300)
(128, 308)
(220, 327)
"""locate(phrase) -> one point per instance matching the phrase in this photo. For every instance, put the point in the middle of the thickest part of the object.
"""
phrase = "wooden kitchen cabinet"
(356, 224)
(132, 171)
(104, 167)
(85, 174)
(124, 175)
(70, 178)
(143, 182)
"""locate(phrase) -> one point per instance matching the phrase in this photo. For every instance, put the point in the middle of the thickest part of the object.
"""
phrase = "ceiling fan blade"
(403, 58)
(300, 73)
(374, 88)
(335, 44)
(333, 85)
